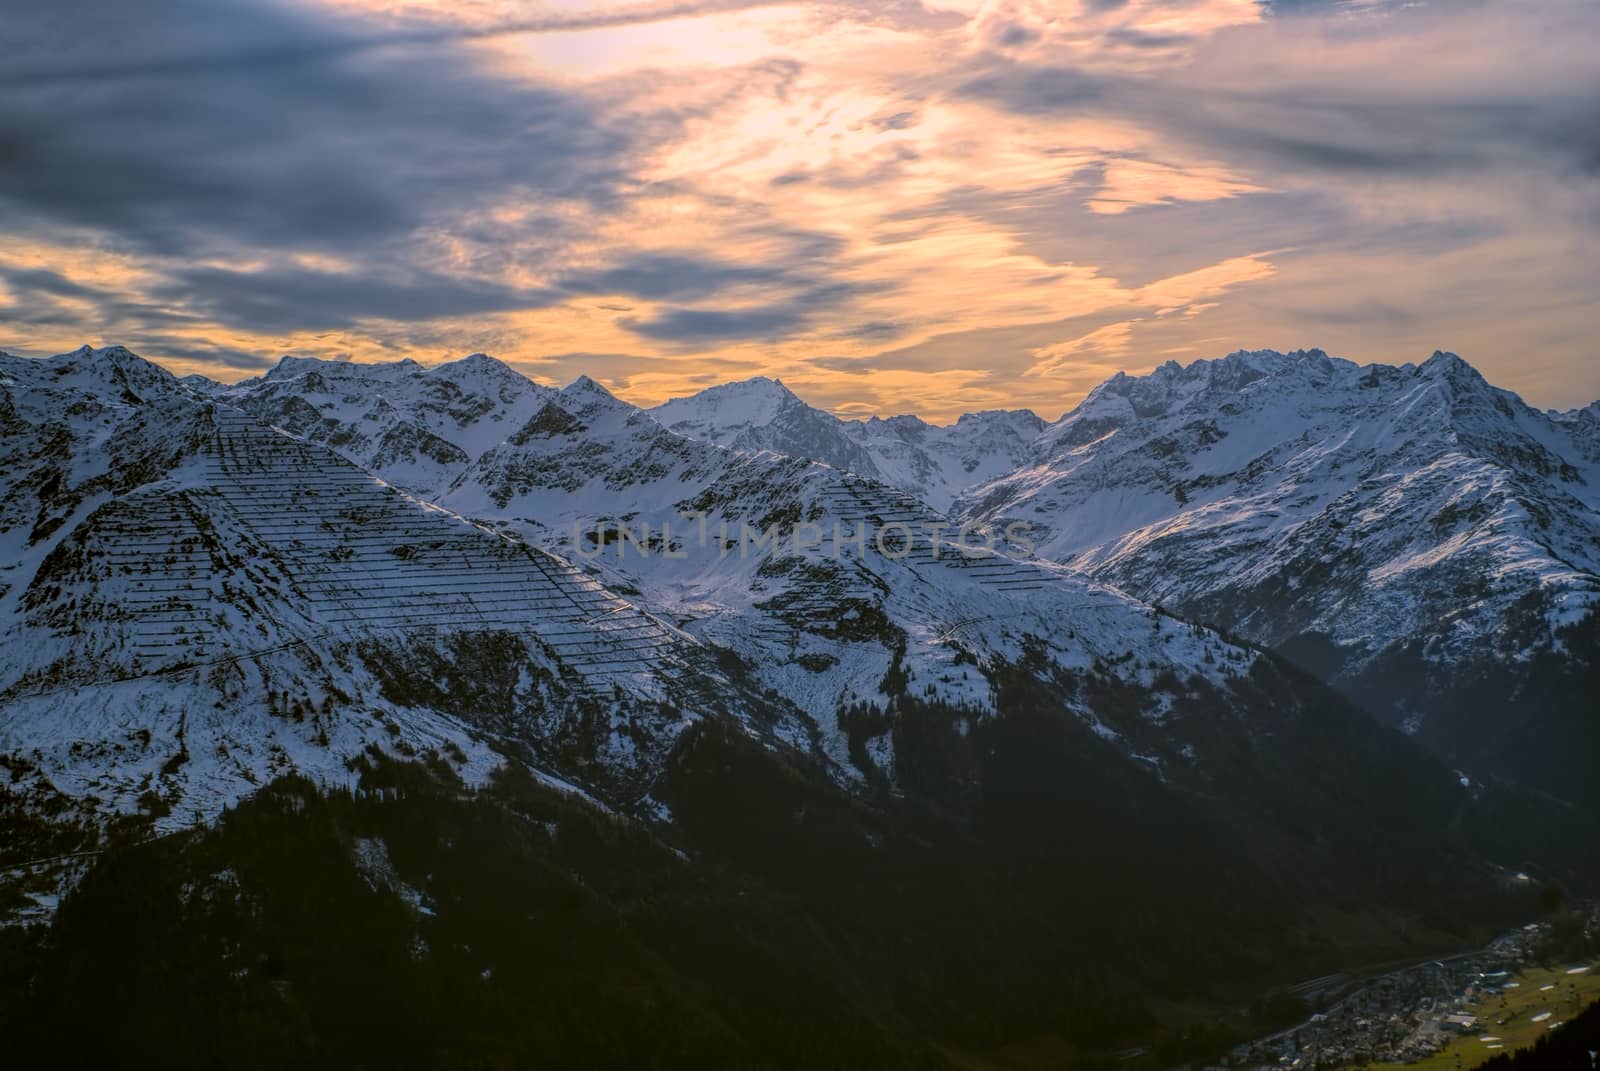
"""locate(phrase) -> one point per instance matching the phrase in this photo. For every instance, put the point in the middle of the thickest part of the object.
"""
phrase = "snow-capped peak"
(417, 427)
(588, 400)
(289, 366)
(1384, 516)
(743, 404)
(478, 371)
(587, 387)
(112, 373)
(1445, 363)
(763, 414)
(934, 463)
(476, 363)
(1372, 515)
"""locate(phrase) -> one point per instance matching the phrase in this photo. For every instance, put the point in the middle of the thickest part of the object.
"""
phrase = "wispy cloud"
(934, 205)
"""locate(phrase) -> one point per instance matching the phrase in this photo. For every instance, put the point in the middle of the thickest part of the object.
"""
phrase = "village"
(1474, 1005)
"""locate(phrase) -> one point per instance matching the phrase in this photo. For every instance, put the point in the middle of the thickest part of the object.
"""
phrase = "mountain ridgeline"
(1425, 542)
(508, 694)
(1421, 540)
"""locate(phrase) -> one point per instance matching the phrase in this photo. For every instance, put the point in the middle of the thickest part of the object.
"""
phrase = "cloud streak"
(930, 206)
(333, 42)
(342, 155)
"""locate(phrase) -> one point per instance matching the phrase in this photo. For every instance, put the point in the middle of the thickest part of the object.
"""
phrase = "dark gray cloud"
(1367, 313)
(1006, 350)
(888, 169)
(241, 131)
(672, 277)
(1322, 7)
(36, 282)
(682, 326)
(295, 142)
(1150, 242)
(1271, 112)
(785, 288)
(790, 291)
(873, 331)
(1130, 37)
(1015, 35)
(292, 298)
(618, 370)
(1035, 90)
(285, 300)
(34, 297)
(230, 52)
(40, 297)
(1355, 132)
(158, 347)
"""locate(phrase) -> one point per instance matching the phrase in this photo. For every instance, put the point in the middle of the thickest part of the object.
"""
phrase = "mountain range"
(1423, 541)
(1259, 665)
(1427, 543)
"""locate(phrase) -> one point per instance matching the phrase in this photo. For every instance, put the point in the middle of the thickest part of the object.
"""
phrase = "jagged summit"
(476, 362)
(586, 386)
(289, 365)
(478, 369)
(1172, 386)
(113, 373)
(417, 427)
(930, 461)
(750, 401)
(587, 400)
(259, 543)
(1275, 358)
(1238, 367)
(115, 356)
(1020, 416)
(1391, 526)
(1444, 361)
(763, 414)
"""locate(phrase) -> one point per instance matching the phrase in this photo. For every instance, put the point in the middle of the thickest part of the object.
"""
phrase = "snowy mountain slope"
(938, 463)
(729, 645)
(1583, 425)
(200, 602)
(232, 601)
(836, 591)
(419, 428)
(1390, 528)
(762, 414)
(934, 463)
(893, 755)
(415, 427)
(230, 563)
(1399, 530)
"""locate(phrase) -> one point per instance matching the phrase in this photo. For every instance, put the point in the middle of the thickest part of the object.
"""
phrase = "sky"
(929, 206)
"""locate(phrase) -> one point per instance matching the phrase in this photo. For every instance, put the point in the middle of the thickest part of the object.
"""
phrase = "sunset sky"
(930, 206)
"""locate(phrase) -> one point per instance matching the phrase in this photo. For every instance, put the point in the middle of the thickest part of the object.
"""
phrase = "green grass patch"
(1509, 1017)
